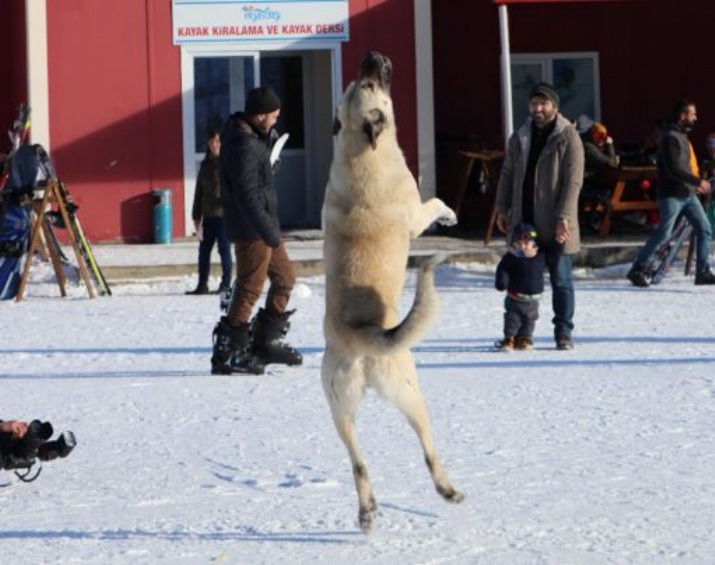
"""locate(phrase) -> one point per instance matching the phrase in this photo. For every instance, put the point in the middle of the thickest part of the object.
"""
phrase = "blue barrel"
(162, 215)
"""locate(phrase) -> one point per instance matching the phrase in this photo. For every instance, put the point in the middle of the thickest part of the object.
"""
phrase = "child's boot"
(524, 343)
(506, 345)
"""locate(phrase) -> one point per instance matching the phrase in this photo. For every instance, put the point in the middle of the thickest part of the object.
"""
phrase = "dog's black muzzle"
(376, 67)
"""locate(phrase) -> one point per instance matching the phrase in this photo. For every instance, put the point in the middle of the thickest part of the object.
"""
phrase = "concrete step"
(178, 260)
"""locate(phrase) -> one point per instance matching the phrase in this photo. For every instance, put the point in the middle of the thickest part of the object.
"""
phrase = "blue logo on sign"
(255, 14)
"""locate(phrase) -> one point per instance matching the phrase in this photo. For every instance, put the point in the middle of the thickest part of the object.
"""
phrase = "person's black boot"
(225, 296)
(223, 288)
(247, 363)
(706, 276)
(200, 289)
(268, 334)
(638, 277)
(228, 341)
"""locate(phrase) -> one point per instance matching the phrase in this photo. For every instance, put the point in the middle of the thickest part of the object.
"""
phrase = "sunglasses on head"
(528, 236)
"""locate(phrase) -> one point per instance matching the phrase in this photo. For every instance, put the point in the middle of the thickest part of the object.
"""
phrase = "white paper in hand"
(278, 147)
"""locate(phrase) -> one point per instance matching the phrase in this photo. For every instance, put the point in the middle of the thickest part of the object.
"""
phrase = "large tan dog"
(372, 209)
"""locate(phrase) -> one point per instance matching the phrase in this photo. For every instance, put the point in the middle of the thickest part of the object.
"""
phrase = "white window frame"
(546, 60)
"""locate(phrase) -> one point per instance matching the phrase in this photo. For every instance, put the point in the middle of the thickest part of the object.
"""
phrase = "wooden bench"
(623, 177)
(491, 166)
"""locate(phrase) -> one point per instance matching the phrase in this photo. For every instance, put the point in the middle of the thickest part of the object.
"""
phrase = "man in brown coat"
(539, 184)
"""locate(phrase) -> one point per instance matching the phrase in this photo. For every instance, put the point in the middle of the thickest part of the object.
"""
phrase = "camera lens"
(61, 447)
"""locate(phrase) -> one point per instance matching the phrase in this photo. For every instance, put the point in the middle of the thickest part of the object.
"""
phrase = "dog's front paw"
(448, 217)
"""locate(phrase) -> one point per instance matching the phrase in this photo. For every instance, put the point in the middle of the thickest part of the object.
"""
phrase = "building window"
(221, 84)
(575, 76)
(220, 87)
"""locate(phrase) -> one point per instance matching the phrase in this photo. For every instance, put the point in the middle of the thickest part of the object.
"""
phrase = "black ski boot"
(228, 341)
(706, 276)
(268, 333)
(225, 298)
(247, 363)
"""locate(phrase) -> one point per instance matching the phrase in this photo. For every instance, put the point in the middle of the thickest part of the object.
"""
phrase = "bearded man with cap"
(539, 184)
(250, 206)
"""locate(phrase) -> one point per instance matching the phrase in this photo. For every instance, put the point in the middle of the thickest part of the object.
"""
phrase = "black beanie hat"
(545, 90)
(262, 100)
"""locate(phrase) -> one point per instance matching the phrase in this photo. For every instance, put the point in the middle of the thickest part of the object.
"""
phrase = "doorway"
(216, 84)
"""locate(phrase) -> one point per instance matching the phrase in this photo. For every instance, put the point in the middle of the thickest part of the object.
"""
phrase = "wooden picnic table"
(624, 201)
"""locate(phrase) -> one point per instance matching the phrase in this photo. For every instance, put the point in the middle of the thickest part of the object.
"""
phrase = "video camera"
(23, 453)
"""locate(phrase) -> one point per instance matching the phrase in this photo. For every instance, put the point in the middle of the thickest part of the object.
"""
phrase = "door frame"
(190, 52)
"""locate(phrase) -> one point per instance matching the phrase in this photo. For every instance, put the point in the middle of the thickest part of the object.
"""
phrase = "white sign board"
(222, 21)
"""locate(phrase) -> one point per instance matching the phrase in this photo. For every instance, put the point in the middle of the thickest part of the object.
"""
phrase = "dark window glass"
(285, 76)
(212, 92)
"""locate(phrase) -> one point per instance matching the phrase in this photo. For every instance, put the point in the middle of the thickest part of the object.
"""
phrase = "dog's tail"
(419, 319)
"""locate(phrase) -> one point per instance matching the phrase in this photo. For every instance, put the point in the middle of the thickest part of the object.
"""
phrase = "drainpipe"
(507, 113)
(37, 72)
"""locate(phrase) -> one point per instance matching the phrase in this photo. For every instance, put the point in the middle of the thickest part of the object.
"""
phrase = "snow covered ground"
(604, 454)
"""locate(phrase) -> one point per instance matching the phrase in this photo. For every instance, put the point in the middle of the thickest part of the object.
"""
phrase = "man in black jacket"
(679, 185)
(251, 223)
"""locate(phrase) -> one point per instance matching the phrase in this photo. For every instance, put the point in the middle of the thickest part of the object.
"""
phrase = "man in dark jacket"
(251, 222)
(679, 185)
(207, 213)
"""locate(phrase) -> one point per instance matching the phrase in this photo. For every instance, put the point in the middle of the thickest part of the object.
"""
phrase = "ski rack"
(53, 194)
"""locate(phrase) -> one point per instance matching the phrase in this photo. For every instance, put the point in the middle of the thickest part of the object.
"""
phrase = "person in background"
(599, 154)
(539, 184)
(678, 190)
(10, 433)
(251, 221)
(599, 157)
(521, 274)
(22, 443)
(207, 213)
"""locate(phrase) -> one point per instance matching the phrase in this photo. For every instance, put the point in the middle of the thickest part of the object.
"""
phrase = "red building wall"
(647, 59)
(13, 71)
(115, 105)
(651, 54)
(114, 80)
(115, 112)
(388, 26)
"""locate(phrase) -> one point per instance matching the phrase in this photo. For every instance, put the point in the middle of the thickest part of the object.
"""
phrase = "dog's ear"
(337, 126)
(373, 125)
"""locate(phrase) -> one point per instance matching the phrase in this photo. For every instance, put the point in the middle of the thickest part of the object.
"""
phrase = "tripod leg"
(669, 251)
(691, 255)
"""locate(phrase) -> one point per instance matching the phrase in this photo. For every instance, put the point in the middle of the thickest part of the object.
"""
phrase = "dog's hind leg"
(344, 386)
(395, 379)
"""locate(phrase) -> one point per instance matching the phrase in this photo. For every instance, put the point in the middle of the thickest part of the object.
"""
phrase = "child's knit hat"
(523, 232)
